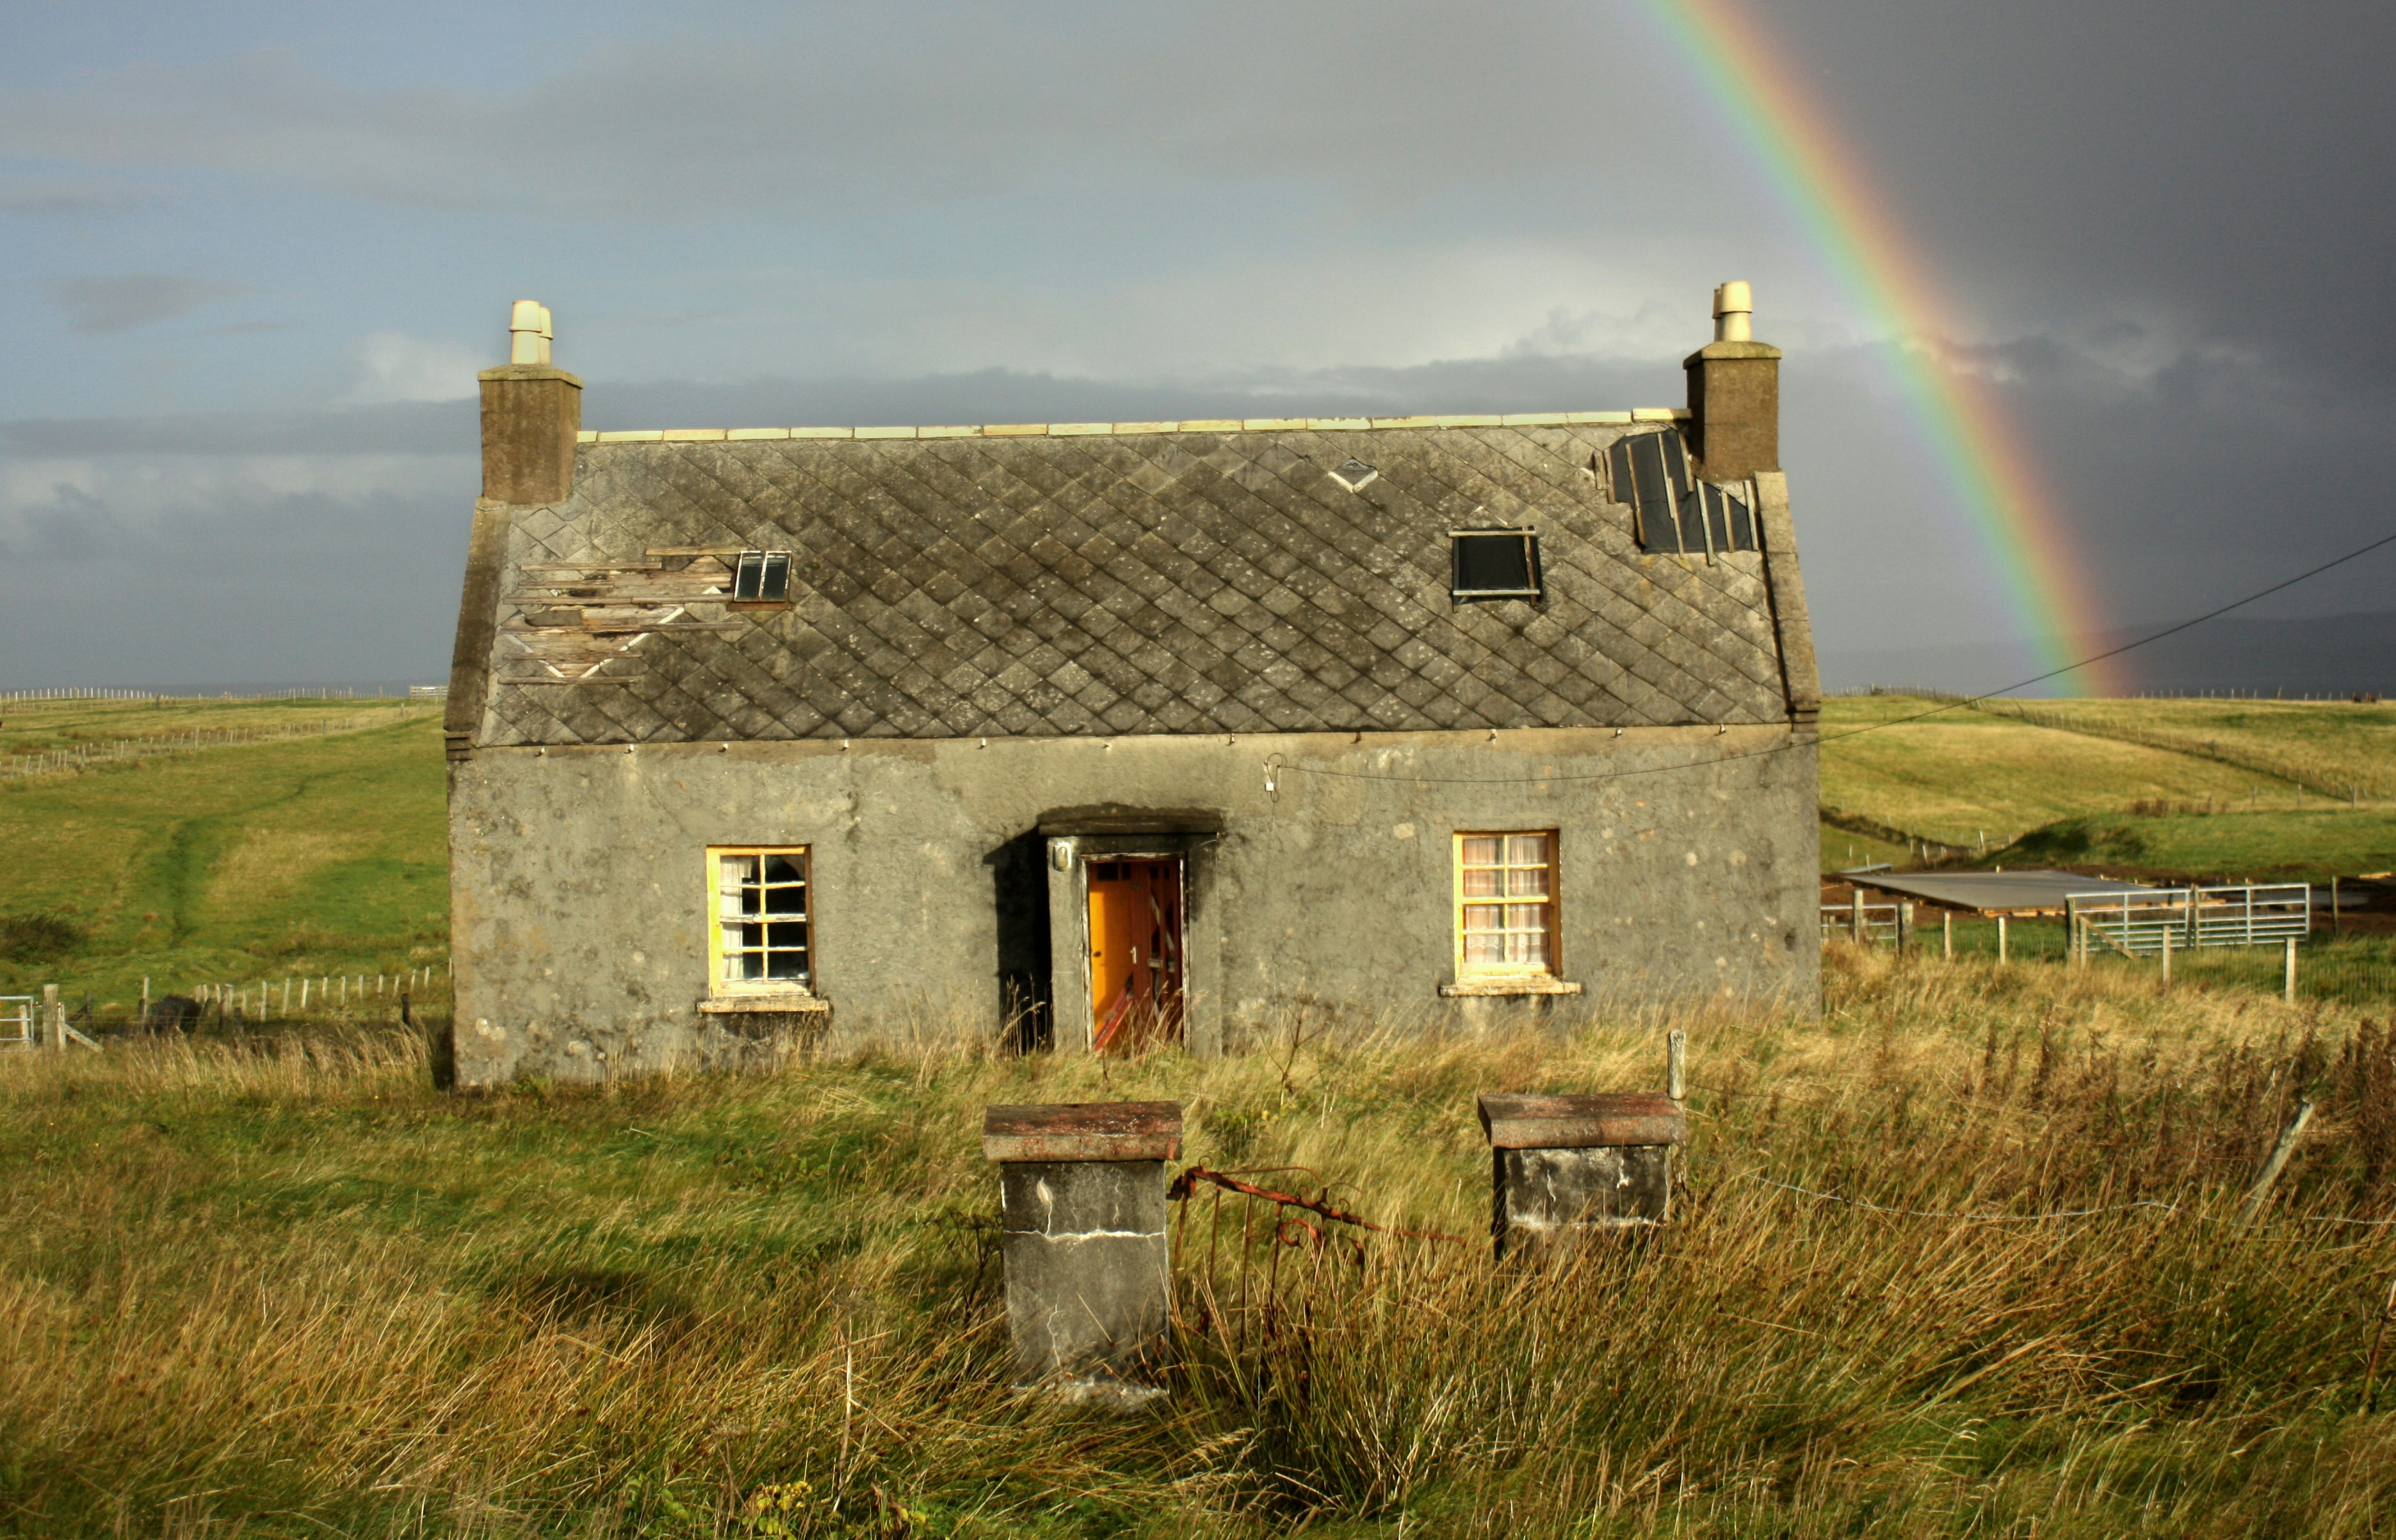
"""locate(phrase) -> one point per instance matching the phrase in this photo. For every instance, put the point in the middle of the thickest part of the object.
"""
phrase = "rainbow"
(1979, 452)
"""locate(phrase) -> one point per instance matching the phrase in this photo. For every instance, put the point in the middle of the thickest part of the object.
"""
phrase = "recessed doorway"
(1139, 965)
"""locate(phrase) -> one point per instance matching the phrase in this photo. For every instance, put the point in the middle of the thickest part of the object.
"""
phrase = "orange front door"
(1136, 972)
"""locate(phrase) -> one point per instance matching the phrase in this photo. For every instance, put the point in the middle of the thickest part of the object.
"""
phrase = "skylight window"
(1674, 512)
(761, 576)
(1494, 563)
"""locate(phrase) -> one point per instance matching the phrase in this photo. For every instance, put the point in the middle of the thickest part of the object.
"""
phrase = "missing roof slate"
(1675, 513)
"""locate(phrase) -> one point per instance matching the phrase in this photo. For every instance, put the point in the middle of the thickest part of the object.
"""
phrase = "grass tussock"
(282, 1288)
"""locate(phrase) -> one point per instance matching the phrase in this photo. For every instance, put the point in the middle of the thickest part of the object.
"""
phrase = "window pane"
(779, 869)
(1527, 849)
(1482, 882)
(746, 575)
(776, 582)
(1493, 563)
(1481, 850)
(1483, 917)
(787, 964)
(1527, 882)
(786, 900)
(1487, 947)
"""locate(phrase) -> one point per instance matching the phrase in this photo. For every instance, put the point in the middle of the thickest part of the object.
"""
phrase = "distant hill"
(2334, 655)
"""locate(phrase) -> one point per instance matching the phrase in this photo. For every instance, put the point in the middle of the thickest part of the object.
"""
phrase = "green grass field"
(1966, 778)
(316, 856)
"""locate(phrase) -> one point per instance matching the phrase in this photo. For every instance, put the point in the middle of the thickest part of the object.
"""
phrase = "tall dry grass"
(267, 1292)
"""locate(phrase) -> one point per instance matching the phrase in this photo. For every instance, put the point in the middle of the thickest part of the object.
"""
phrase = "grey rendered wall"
(578, 882)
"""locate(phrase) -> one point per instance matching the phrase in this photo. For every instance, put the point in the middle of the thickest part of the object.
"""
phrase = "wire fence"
(92, 756)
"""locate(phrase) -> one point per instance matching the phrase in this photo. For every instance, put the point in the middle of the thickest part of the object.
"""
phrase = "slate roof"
(1116, 583)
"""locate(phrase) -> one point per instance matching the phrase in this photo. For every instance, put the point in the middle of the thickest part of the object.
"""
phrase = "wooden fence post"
(2279, 1153)
(1947, 927)
(54, 1019)
(2288, 984)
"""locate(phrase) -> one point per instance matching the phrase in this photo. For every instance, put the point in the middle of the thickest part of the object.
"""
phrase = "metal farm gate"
(2138, 924)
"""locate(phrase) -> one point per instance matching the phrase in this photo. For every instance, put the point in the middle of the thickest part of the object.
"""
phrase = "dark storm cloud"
(2217, 168)
(123, 301)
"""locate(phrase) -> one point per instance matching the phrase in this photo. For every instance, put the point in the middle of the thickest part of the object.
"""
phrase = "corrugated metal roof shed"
(2038, 892)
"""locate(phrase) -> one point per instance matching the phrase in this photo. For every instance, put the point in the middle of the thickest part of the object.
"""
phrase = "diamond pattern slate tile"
(1135, 583)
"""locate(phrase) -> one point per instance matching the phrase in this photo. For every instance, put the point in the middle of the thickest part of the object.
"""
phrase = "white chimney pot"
(1734, 308)
(529, 333)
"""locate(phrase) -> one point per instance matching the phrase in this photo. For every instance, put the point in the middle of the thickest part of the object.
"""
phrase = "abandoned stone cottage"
(1104, 733)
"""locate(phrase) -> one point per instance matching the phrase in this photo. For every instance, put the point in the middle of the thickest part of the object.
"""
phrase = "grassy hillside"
(320, 854)
(2330, 744)
(2287, 845)
(1960, 776)
(261, 1294)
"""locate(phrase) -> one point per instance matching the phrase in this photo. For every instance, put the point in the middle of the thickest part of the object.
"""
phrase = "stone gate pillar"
(1564, 1168)
(1089, 1282)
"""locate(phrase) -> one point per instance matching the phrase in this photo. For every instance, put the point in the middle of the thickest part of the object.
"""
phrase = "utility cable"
(1277, 763)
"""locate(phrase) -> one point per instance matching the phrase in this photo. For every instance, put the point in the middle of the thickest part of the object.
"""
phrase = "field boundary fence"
(1866, 923)
(312, 692)
(88, 756)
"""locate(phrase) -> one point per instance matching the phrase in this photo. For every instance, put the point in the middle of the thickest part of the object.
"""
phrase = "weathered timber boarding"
(1081, 1205)
(1566, 1167)
(1116, 734)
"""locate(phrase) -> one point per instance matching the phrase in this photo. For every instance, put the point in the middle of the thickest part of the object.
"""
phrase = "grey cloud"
(916, 101)
(399, 428)
(124, 302)
(2185, 498)
(60, 200)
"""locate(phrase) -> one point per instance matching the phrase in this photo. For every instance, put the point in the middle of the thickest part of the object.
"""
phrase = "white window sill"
(1520, 984)
(782, 1002)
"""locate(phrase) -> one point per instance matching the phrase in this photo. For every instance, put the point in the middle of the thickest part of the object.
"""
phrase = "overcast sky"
(251, 256)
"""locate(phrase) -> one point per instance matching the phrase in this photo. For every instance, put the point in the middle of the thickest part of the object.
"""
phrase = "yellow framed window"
(759, 936)
(1506, 904)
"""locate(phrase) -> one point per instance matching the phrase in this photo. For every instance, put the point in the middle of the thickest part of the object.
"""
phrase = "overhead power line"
(1277, 763)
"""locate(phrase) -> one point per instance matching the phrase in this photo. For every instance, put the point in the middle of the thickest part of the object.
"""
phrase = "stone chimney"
(1734, 394)
(531, 411)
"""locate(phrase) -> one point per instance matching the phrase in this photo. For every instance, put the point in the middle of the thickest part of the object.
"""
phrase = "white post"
(1947, 926)
(2167, 940)
(2288, 987)
(1676, 1064)
(303, 994)
(2000, 938)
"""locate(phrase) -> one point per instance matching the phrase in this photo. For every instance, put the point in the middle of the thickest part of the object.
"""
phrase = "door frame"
(1069, 933)
(1180, 863)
